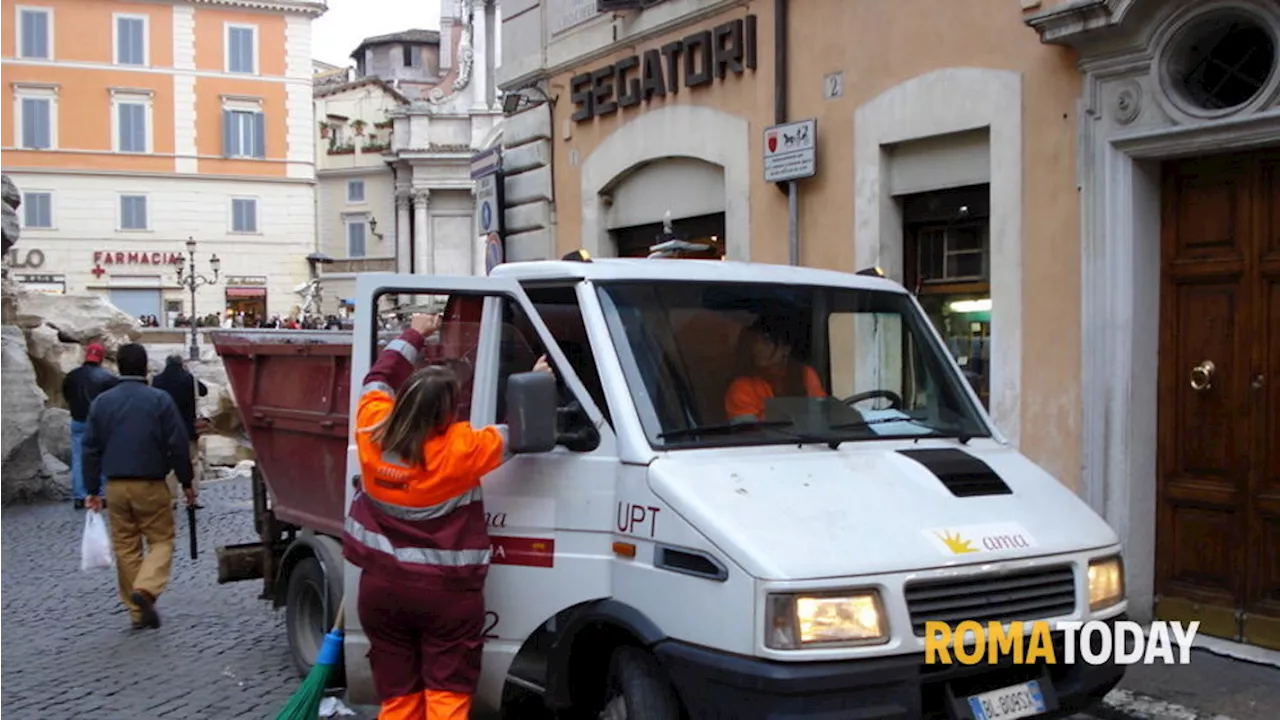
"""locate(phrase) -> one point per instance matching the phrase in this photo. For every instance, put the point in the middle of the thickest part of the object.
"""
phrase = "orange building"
(135, 125)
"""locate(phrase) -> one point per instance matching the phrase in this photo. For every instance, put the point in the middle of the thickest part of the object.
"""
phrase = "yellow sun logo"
(955, 543)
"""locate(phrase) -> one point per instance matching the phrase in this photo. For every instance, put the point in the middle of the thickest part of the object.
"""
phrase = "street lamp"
(188, 278)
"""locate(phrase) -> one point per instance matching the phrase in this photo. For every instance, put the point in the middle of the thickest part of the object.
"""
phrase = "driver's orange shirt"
(746, 395)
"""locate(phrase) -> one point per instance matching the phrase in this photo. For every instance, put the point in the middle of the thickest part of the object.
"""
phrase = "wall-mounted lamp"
(515, 100)
(373, 228)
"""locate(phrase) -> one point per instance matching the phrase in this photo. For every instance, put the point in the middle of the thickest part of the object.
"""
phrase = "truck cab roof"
(612, 269)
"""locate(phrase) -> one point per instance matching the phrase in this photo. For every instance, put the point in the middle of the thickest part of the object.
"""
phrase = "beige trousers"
(140, 510)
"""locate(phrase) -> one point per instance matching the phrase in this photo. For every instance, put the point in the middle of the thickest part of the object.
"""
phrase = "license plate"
(1016, 701)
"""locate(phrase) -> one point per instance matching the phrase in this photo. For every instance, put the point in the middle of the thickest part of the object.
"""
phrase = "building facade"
(1179, 175)
(132, 127)
(972, 160)
(355, 198)
(436, 115)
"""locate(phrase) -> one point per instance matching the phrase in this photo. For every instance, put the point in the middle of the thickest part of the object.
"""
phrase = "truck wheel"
(638, 689)
(306, 622)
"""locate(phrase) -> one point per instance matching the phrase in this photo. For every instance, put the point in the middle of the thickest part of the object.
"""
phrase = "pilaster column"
(480, 60)
(404, 231)
(424, 262)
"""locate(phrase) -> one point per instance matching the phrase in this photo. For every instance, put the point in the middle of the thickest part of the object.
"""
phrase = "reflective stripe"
(416, 556)
(407, 351)
(378, 385)
(430, 512)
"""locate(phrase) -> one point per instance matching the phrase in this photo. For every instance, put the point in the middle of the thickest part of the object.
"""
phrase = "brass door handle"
(1202, 376)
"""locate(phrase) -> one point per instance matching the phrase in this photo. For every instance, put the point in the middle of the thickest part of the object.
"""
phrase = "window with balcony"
(35, 33)
(133, 212)
(131, 39)
(37, 210)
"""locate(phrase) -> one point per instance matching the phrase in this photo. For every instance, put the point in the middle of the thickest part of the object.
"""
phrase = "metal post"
(195, 347)
(191, 281)
(793, 221)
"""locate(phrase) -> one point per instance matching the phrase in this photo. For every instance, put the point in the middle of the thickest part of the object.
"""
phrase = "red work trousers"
(424, 647)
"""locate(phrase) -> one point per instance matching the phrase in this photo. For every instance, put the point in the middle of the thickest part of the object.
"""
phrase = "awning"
(246, 292)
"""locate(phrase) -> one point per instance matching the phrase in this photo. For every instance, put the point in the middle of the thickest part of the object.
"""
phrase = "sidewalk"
(1212, 686)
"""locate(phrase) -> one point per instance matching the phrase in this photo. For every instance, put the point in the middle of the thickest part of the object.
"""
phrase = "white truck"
(655, 558)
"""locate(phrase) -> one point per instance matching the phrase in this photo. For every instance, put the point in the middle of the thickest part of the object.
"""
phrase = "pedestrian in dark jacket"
(183, 387)
(135, 436)
(80, 387)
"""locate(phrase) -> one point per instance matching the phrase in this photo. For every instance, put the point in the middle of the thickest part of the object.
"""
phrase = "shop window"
(947, 257)
(636, 241)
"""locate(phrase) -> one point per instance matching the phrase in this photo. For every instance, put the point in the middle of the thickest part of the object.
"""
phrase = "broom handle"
(342, 606)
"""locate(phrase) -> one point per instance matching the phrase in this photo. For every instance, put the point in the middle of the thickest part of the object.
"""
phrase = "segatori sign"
(695, 61)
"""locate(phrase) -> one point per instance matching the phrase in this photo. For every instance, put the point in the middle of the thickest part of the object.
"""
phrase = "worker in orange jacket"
(417, 531)
(767, 368)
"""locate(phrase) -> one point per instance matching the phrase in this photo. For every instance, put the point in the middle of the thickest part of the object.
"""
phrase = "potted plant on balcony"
(324, 129)
(358, 126)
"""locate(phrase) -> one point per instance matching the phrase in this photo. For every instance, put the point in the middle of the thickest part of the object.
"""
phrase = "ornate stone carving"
(466, 10)
(1128, 102)
(404, 200)
(421, 196)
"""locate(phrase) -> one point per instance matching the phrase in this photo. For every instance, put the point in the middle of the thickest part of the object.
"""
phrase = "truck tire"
(638, 689)
(306, 621)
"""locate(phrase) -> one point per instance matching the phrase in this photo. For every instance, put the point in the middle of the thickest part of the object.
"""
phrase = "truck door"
(550, 514)
(522, 515)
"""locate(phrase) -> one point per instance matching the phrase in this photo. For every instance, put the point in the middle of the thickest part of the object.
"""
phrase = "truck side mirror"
(532, 400)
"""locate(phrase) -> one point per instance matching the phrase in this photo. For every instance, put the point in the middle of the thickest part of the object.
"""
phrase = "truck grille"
(1004, 597)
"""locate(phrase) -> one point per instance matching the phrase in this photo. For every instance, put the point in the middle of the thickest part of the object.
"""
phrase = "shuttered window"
(131, 127)
(37, 118)
(131, 40)
(244, 134)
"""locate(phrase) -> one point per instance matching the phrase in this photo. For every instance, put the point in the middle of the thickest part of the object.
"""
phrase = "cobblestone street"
(68, 649)
(221, 654)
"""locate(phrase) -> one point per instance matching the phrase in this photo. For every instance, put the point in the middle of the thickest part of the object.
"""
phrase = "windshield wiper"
(725, 429)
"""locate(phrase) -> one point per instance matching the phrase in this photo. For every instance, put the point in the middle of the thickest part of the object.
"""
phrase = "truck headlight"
(1106, 582)
(800, 620)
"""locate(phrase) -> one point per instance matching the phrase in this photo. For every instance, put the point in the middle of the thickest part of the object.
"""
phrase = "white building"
(442, 105)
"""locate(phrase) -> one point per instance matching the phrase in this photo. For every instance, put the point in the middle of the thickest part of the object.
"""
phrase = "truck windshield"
(733, 364)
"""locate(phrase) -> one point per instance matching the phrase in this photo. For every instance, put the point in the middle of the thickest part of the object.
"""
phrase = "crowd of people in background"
(232, 319)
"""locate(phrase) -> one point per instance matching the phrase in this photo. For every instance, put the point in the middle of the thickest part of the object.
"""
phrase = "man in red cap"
(80, 387)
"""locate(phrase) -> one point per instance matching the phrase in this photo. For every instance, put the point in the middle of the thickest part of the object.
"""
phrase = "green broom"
(305, 703)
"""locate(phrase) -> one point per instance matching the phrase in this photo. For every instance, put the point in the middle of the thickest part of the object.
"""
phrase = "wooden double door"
(1218, 493)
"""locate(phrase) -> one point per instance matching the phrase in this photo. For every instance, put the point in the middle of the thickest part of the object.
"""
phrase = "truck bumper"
(718, 685)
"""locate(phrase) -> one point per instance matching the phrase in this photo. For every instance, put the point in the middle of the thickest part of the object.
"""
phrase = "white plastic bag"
(95, 548)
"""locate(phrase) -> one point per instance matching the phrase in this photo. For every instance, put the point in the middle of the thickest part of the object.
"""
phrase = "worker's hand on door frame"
(425, 324)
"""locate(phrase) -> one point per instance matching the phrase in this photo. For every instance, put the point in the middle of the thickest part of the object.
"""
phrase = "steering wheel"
(895, 400)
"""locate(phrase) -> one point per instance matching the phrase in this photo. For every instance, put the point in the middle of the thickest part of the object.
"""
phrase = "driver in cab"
(767, 368)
